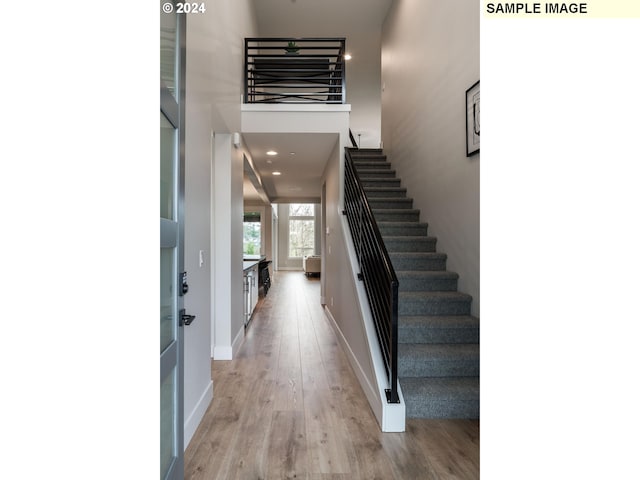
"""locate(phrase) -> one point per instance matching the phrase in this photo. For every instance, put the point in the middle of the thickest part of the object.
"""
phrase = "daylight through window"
(301, 229)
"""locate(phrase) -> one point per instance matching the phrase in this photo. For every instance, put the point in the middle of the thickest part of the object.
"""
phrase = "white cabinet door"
(254, 287)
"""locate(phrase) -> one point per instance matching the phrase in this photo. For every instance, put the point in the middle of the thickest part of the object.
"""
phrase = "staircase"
(438, 350)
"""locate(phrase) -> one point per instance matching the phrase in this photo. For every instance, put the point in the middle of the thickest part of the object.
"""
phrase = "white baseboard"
(367, 388)
(222, 352)
(391, 417)
(237, 342)
(196, 415)
(225, 352)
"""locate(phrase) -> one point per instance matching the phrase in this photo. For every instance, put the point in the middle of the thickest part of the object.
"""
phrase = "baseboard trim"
(226, 352)
(222, 352)
(197, 414)
(237, 342)
(367, 388)
(391, 417)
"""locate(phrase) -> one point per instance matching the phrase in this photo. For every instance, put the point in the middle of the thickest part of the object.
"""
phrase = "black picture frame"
(473, 119)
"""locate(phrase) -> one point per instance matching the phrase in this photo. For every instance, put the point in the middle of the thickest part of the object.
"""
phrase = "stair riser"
(387, 203)
(415, 230)
(438, 367)
(411, 244)
(381, 182)
(375, 174)
(368, 156)
(433, 306)
(386, 193)
(398, 216)
(427, 284)
(420, 264)
(362, 166)
(441, 408)
(441, 398)
(438, 335)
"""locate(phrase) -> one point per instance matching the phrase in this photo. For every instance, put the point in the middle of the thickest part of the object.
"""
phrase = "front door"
(172, 35)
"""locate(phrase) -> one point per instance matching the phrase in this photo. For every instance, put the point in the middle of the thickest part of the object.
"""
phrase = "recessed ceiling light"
(292, 153)
(272, 152)
(347, 56)
(276, 173)
(269, 162)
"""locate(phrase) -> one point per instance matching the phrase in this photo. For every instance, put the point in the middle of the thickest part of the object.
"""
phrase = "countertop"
(248, 264)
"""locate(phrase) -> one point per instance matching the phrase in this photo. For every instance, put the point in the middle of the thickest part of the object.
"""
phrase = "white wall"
(430, 56)
(339, 290)
(214, 67)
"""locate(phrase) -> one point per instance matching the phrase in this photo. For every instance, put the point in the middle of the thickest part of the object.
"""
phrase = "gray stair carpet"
(439, 339)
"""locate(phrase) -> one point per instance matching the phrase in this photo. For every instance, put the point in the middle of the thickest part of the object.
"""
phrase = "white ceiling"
(301, 160)
(302, 173)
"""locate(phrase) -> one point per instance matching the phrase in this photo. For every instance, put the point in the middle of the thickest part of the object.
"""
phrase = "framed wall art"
(473, 119)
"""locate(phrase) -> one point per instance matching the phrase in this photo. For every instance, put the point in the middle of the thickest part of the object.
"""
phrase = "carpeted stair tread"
(391, 203)
(376, 173)
(438, 360)
(438, 329)
(418, 260)
(380, 182)
(396, 214)
(409, 244)
(419, 229)
(434, 303)
(448, 397)
(366, 164)
(425, 280)
(387, 192)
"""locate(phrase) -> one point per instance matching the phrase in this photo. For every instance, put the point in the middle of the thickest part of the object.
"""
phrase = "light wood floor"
(289, 406)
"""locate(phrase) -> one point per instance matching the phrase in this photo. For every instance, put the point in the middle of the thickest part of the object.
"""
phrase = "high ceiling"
(320, 18)
(302, 172)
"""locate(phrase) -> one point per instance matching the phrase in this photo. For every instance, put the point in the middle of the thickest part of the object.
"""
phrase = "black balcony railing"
(376, 272)
(294, 70)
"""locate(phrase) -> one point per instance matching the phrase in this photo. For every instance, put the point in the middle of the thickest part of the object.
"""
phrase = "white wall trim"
(293, 107)
(392, 416)
(369, 390)
(197, 414)
(226, 352)
(237, 342)
(222, 352)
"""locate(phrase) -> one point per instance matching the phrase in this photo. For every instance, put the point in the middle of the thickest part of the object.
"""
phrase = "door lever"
(186, 319)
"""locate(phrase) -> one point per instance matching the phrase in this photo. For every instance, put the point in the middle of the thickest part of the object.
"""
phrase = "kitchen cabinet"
(250, 288)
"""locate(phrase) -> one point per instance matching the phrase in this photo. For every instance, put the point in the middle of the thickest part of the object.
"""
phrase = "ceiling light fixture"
(272, 152)
(276, 173)
(347, 56)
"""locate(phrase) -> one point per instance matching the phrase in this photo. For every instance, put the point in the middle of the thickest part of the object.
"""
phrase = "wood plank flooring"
(289, 406)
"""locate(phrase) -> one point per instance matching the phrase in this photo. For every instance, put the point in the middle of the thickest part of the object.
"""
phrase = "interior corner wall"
(430, 57)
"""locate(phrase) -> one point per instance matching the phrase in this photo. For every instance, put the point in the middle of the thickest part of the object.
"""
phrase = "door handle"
(186, 319)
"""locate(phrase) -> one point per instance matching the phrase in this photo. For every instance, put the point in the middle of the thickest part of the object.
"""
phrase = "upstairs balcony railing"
(294, 70)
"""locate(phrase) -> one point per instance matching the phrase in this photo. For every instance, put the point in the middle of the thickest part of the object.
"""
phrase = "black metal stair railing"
(376, 272)
(294, 70)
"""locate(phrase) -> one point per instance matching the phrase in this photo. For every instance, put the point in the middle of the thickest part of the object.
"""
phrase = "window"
(251, 233)
(301, 229)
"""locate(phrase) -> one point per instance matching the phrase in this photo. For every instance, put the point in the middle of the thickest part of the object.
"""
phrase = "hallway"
(289, 406)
